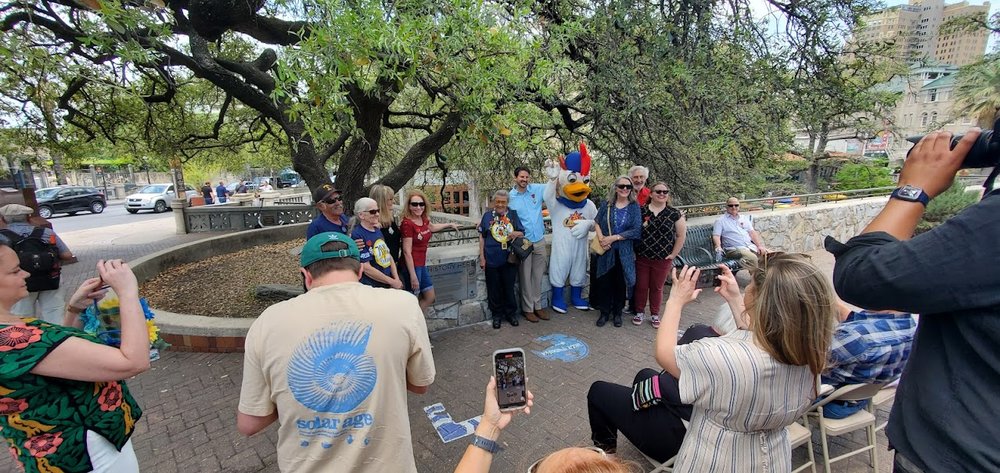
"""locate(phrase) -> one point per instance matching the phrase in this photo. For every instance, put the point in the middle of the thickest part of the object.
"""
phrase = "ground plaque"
(454, 282)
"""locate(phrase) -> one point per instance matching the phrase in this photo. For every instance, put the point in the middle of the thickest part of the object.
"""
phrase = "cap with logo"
(324, 191)
(312, 251)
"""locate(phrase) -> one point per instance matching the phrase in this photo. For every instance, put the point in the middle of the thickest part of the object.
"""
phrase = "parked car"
(155, 197)
(69, 200)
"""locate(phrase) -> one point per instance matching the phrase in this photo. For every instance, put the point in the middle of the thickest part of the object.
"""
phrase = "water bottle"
(718, 255)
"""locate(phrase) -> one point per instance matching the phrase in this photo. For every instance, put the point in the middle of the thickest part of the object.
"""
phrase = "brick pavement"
(189, 399)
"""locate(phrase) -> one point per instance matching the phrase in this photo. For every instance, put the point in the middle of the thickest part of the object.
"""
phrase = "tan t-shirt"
(335, 362)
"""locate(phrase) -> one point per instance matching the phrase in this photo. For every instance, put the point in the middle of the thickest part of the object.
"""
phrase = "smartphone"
(512, 389)
(708, 278)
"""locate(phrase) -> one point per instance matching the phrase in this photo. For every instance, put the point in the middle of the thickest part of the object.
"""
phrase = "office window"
(933, 117)
(932, 96)
(923, 119)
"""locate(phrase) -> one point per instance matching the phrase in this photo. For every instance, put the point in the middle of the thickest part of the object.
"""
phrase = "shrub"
(862, 176)
(946, 205)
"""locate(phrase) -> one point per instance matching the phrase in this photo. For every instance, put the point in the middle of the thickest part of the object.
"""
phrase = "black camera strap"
(988, 185)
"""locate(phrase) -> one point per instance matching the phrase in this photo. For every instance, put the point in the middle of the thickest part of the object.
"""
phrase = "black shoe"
(618, 319)
(513, 320)
(496, 322)
(603, 319)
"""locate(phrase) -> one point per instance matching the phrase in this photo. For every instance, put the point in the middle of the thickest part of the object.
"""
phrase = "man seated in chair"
(868, 347)
(734, 236)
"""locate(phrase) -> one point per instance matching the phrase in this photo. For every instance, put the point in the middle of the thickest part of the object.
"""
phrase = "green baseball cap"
(312, 251)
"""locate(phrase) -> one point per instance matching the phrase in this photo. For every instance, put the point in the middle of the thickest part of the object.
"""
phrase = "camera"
(985, 152)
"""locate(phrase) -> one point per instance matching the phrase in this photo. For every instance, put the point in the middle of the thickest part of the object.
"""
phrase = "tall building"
(915, 28)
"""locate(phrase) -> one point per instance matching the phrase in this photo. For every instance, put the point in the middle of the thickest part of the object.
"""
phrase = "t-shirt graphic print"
(331, 373)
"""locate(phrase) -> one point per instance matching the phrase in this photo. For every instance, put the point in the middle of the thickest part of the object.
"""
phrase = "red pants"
(650, 275)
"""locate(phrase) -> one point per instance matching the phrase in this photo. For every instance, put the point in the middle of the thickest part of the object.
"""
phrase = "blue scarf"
(571, 204)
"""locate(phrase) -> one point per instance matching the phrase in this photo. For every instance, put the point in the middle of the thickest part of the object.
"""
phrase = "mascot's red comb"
(577, 161)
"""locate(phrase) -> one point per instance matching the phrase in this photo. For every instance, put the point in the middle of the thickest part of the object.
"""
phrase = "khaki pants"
(747, 257)
(530, 274)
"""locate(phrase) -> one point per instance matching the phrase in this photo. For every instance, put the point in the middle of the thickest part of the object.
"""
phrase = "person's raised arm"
(682, 292)
(83, 360)
(931, 165)
(730, 291)
(475, 459)
(88, 292)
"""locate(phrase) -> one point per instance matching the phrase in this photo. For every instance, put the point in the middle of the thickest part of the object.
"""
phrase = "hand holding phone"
(511, 379)
(708, 278)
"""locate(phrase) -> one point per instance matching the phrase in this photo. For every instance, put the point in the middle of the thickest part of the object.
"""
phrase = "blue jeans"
(842, 409)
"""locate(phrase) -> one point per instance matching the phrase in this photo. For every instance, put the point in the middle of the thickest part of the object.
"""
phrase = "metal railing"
(772, 203)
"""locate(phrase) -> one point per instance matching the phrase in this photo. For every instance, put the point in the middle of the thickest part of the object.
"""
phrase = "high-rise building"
(915, 29)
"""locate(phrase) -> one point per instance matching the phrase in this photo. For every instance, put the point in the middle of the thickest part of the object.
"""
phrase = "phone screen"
(707, 278)
(509, 368)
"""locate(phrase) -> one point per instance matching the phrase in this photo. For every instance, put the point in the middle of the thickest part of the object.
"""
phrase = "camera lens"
(985, 152)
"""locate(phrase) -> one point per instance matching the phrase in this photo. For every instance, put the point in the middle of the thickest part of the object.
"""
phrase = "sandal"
(655, 320)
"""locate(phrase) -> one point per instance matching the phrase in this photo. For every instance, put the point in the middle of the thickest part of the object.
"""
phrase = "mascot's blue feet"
(576, 297)
(558, 300)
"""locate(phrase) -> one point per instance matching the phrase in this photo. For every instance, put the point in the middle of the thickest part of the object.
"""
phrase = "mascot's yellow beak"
(576, 191)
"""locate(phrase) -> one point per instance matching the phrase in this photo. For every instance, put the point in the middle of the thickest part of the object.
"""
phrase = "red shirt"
(643, 195)
(421, 236)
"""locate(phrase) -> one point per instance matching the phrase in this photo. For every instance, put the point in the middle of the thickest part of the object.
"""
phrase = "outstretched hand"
(728, 288)
(552, 168)
(683, 289)
(492, 415)
(85, 295)
(117, 274)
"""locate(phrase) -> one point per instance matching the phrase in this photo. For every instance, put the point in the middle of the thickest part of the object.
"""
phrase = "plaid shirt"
(869, 347)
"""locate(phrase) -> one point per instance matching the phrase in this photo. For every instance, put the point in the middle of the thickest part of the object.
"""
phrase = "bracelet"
(486, 444)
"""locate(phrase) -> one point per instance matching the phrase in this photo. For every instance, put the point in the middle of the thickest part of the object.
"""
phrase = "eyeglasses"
(624, 186)
(332, 200)
(418, 204)
(534, 466)
(732, 205)
(661, 192)
(372, 212)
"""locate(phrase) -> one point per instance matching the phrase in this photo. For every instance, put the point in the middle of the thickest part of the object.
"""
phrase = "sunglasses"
(661, 192)
(372, 212)
(732, 205)
(624, 186)
(417, 204)
(332, 200)
(534, 466)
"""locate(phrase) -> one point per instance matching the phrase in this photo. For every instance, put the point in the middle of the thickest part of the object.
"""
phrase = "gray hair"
(500, 193)
(643, 169)
(613, 190)
(360, 204)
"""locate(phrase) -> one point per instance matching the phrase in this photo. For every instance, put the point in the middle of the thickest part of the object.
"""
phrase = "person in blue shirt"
(221, 192)
(498, 227)
(526, 199)
(379, 269)
(331, 216)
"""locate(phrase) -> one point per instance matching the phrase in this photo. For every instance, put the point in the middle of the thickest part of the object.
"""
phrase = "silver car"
(155, 197)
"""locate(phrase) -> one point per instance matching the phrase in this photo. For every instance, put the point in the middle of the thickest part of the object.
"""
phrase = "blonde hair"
(792, 310)
(613, 191)
(382, 194)
(407, 212)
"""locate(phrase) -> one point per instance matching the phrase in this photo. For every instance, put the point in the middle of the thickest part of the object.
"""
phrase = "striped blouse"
(742, 400)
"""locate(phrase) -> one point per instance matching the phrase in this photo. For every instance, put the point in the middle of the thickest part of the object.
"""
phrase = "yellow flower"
(154, 331)
(108, 303)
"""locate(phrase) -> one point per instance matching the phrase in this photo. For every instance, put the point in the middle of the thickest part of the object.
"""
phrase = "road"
(114, 214)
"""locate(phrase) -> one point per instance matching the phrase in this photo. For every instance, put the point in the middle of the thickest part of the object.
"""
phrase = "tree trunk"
(360, 154)
(818, 153)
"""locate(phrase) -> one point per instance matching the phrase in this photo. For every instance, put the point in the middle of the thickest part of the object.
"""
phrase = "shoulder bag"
(595, 243)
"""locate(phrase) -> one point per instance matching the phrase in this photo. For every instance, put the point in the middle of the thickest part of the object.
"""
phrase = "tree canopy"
(700, 91)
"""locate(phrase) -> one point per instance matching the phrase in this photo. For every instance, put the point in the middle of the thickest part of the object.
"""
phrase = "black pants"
(611, 289)
(500, 293)
(656, 431)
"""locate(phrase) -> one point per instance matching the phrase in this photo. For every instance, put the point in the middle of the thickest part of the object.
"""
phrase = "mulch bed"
(223, 285)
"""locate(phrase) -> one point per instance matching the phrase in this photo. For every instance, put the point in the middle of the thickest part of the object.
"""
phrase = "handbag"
(595, 243)
(522, 248)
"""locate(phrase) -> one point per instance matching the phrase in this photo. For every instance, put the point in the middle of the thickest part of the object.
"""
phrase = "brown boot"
(541, 314)
(530, 316)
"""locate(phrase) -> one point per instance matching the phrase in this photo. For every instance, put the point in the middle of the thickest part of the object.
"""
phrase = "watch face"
(910, 193)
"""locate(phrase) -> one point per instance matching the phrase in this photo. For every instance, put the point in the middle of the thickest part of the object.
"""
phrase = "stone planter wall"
(794, 229)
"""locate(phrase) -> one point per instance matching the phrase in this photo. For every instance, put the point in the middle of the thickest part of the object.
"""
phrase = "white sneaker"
(637, 320)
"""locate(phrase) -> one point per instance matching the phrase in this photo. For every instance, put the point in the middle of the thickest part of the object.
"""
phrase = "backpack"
(39, 257)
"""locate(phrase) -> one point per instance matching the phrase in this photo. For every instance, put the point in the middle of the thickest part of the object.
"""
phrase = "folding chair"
(863, 419)
(885, 396)
(798, 434)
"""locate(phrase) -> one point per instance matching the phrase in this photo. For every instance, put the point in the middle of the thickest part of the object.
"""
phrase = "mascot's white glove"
(552, 168)
(581, 228)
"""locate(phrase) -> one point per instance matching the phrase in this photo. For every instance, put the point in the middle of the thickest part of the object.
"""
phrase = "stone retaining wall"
(794, 229)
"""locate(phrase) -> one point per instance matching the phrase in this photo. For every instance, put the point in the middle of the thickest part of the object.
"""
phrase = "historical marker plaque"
(454, 282)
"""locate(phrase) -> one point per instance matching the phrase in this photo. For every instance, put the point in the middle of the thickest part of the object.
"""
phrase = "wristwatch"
(909, 193)
(486, 444)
